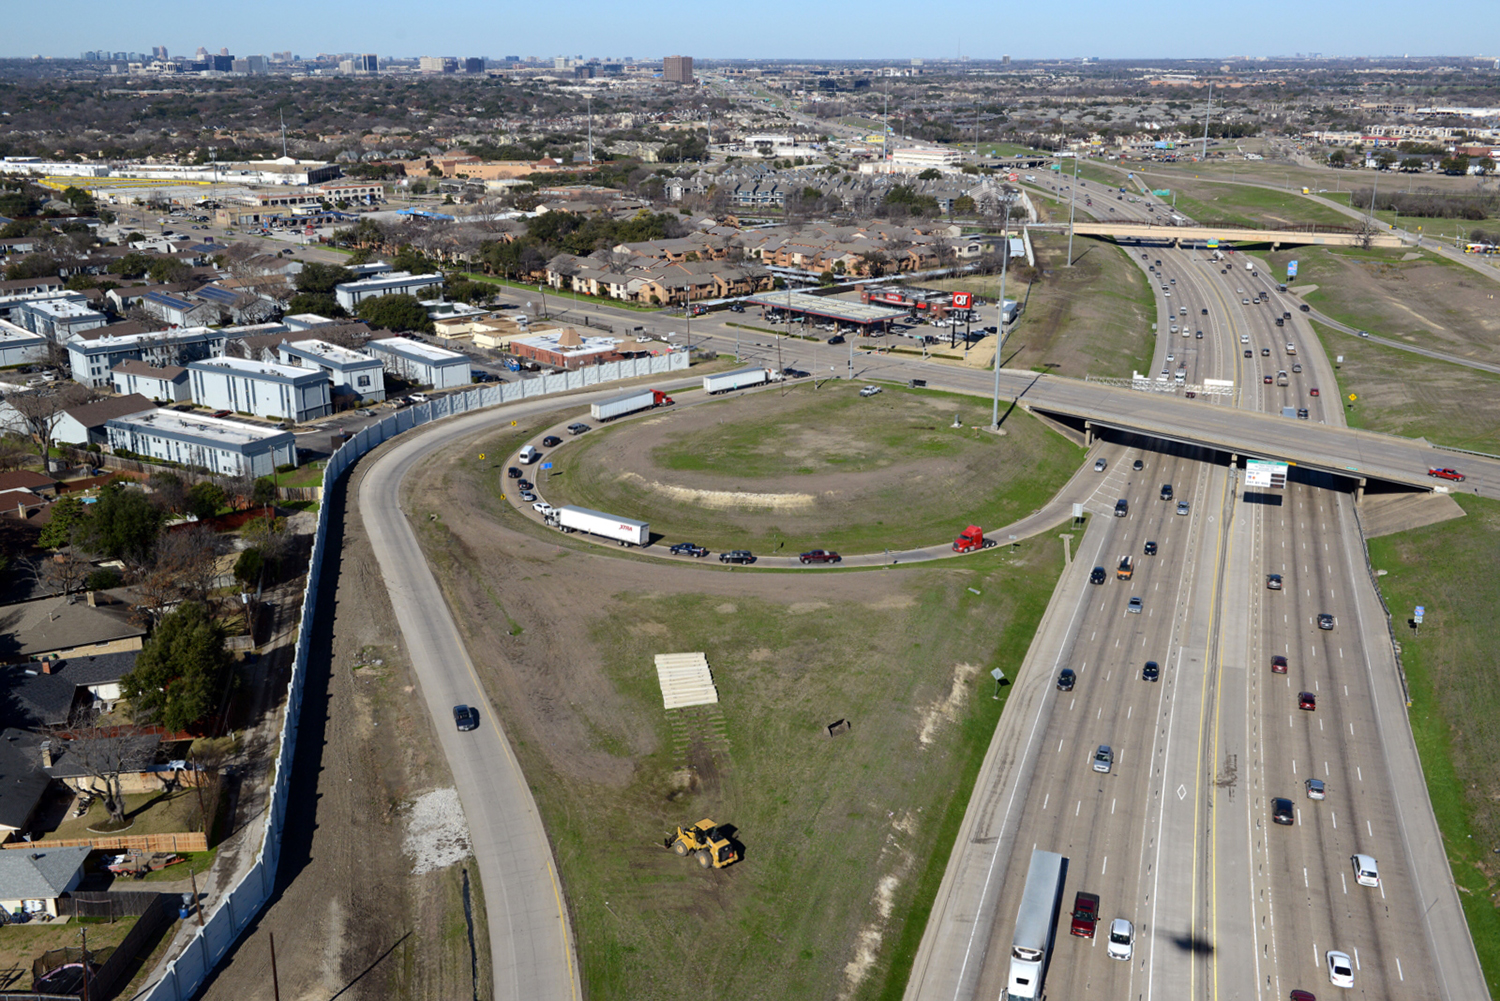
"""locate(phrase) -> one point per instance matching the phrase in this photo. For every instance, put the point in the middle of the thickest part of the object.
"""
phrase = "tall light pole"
(1000, 326)
(1072, 204)
(1207, 113)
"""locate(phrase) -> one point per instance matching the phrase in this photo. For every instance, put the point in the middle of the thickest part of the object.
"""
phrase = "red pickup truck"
(1085, 914)
(820, 556)
(1446, 474)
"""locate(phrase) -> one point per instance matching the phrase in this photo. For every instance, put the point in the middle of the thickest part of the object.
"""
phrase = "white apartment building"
(416, 361)
(92, 360)
(351, 294)
(278, 392)
(226, 447)
(362, 375)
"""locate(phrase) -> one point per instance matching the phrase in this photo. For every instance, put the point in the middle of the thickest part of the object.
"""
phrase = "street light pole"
(1000, 326)
(1072, 203)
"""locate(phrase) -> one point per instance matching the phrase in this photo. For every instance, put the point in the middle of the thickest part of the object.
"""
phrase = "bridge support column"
(1359, 489)
(1176, 243)
(1275, 246)
(1088, 434)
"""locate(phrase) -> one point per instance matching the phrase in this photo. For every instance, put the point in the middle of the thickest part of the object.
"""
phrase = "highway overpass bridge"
(1194, 233)
(1359, 456)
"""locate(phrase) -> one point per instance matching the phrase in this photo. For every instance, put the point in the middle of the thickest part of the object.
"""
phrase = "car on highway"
(513, 472)
(542, 508)
(577, 429)
(1302, 413)
(1445, 474)
(1273, 582)
(819, 556)
(1182, 507)
(1166, 491)
(737, 556)
(466, 717)
(1100, 464)
(1265, 352)
(1104, 759)
(1305, 308)
(1281, 811)
(1138, 465)
(1150, 548)
(527, 496)
(1302, 996)
(1244, 302)
(1249, 353)
(1085, 914)
(1097, 575)
(1340, 969)
(1151, 672)
(1121, 939)
(1297, 367)
(688, 549)
(1266, 379)
(1307, 701)
(1066, 679)
(1325, 621)
(1134, 606)
(1198, 334)
(1244, 338)
(1170, 355)
(1313, 391)
(1366, 872)
(1316, 789)
(551, 441)
(794, 373)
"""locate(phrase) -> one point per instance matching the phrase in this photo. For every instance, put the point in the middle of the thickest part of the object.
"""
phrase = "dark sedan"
(1281, 811)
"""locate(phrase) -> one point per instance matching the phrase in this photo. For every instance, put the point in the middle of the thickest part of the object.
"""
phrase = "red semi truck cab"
(660, 399)
(970, 539)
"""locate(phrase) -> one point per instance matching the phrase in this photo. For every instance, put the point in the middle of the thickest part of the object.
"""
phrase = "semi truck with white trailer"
(630, 403)
(1036, 924)
(625, 531)
(743, 378)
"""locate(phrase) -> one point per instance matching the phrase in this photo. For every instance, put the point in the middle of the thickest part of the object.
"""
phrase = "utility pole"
(283, 133)
(590, 105)
(1000, 326)
(1207, 112)
(1072, 205)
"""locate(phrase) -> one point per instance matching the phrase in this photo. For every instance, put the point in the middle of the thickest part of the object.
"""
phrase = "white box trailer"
(625, 531)
(641, 399)
(742, 378)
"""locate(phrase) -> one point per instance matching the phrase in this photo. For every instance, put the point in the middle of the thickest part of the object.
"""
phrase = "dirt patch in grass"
(1428, 302)
(814, 467)
(1455, 714)
(1402, 393)
(843, 838)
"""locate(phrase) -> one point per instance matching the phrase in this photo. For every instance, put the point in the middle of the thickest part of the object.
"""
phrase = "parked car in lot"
(1138, 465)
(222, 413)
(688, 549)
(820, 556)
(466, 717)
(1281, 811)
(1066, 679)
(737, 556)
(1104, 759)
(1085, 914)
(551, 441)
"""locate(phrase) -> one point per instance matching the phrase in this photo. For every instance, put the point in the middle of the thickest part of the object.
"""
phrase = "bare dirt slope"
(348, 917)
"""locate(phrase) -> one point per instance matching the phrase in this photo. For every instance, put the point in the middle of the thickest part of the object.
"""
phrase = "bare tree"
(187, 558)
(40, 410)
(103, 752)
(63, 571)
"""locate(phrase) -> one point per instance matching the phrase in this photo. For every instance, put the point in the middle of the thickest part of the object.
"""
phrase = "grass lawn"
(310, 475)
(151, 813)
(829, 827)
(1244, 205)
(21, 944)
(899, 443)
(1455, 713)
(1448, 231)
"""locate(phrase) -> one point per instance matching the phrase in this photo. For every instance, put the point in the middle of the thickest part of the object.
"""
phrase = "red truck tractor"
(971, 540)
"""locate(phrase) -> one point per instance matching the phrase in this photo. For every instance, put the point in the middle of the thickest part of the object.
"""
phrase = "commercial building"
(57, 319)
(226, 447)
(19, 346)
(421, 363)
(352, 371)
(677, 69)
(566, 348)
(914, 156)
(92, 360)
(351, 294)
(278, 392)
(164, 385)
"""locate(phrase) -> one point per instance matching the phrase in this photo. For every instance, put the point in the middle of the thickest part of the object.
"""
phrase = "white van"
(529, 454)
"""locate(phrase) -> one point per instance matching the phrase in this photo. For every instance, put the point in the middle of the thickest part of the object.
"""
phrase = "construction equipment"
(706, 841)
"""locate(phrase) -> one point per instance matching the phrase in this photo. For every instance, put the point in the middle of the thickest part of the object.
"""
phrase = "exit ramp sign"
(1265, 474)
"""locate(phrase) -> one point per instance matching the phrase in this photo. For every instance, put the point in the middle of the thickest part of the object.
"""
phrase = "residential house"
(26, 479)
(78, 625)
(32, 879)
(21, 793)
(179, 311)
(351, 294)
(168, 384)
(49, 693)
(19, 346)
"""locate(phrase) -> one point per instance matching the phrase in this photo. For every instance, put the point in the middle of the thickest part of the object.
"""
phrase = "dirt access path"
(349, 918)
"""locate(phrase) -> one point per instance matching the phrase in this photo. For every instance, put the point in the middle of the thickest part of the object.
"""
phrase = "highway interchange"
(1178, 836)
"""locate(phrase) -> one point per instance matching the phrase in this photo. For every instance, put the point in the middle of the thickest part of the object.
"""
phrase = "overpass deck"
(1195, 232)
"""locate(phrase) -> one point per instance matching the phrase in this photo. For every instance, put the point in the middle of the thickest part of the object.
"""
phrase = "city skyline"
(1175, 30)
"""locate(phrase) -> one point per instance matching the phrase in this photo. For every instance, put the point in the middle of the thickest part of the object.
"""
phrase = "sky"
(773, 29)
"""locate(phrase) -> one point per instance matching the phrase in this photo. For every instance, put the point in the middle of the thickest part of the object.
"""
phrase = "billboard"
(962, 300)
(1291, 269)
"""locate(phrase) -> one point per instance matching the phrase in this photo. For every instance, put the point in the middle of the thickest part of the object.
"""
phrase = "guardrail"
(213, 941)
(1466, 451)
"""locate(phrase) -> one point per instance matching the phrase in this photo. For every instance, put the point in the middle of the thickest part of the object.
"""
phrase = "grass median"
(1455, 712)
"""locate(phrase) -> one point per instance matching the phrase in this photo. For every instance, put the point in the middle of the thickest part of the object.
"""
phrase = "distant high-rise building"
(369, 62)
(437, 64)
(1005, 60)
(472, 65)
(251, 65)
(224, 51)
(159, 52)
(202, 53)
(677, 69)
(221, 64)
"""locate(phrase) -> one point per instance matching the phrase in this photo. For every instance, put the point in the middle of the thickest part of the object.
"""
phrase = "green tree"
(123, 524)
(930, 174)
(409, 258)
(321, 303)
(179, 674)
(68, 514)
(249, 566)
(827, 278)
(168, 270)
(1337, 158)
(263, 492)
(395, 312)
(204, 499)
(321, 278)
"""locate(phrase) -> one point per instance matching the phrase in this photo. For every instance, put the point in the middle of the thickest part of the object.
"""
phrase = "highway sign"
(1421, 611)
(546, 465)
(1259, 473)
(1352, 397)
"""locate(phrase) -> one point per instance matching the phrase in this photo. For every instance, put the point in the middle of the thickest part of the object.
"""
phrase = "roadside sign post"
(999, 677)
(1416, 619)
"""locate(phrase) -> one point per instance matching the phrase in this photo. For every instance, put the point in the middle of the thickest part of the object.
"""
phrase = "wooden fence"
(188, 841)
